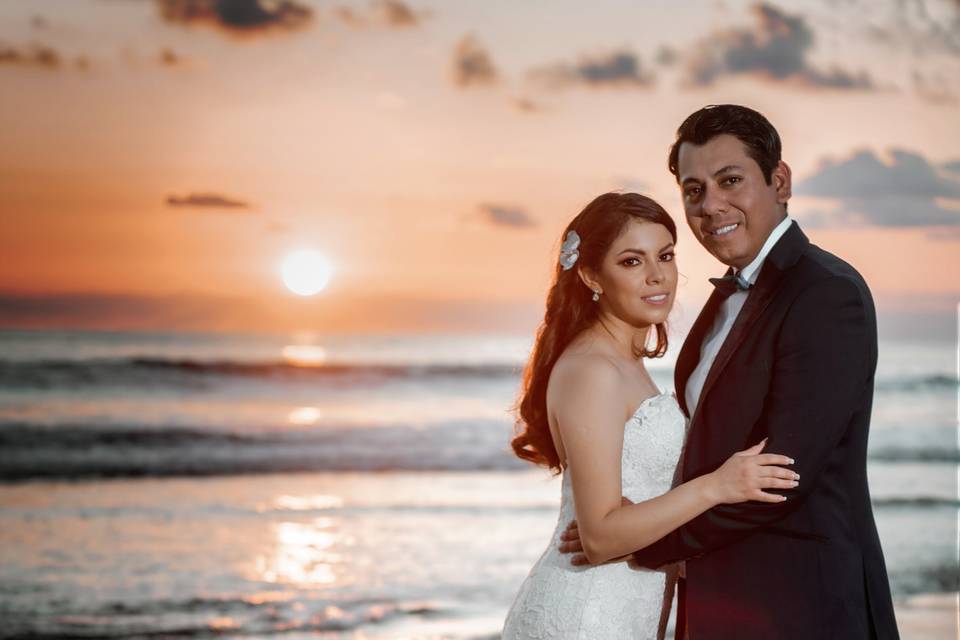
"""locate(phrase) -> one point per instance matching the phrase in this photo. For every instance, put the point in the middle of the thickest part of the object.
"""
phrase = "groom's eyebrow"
(642, 252)
(720, 171)
(729, 167)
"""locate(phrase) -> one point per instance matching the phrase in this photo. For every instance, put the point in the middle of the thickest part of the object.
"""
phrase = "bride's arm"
(591, 415)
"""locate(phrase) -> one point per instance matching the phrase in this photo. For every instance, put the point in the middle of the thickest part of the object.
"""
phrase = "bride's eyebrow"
(642, 252)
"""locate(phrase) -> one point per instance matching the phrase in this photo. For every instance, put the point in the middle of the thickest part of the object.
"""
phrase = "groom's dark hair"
(746, 125)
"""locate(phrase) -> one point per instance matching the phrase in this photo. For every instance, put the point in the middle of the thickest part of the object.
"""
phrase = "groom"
(785, 348)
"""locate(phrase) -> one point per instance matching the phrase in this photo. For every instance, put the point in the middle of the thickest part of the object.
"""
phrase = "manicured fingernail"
(792, 461)
(782, 498)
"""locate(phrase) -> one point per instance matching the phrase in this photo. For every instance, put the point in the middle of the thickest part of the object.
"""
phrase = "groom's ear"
(782, 178)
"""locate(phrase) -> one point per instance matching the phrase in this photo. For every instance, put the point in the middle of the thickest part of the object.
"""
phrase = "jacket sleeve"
(824, 362)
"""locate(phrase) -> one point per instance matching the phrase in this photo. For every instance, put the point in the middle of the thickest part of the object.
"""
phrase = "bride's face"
(638, 276)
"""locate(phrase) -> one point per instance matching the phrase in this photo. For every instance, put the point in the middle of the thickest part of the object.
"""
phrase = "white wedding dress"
(616, 601)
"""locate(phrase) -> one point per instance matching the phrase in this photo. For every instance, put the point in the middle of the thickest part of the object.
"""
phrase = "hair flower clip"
(569, 250)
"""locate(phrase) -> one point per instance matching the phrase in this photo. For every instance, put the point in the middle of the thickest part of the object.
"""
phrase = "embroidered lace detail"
(559, 601)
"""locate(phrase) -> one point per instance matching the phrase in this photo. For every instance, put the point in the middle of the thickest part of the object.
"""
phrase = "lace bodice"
(616, 600)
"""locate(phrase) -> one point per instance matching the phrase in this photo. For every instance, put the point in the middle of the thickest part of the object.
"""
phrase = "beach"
(190, 486)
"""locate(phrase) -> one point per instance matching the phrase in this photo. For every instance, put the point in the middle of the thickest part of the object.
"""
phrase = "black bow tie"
(731, 283)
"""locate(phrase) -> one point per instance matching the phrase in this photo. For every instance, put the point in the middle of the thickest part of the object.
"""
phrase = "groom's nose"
(713, 201)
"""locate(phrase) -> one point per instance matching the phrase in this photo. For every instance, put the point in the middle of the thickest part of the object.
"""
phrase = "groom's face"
(729, 205)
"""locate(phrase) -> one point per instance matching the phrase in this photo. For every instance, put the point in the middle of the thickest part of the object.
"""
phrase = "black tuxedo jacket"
(798, 367)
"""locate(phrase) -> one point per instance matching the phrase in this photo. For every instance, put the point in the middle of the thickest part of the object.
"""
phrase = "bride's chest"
(652, 442)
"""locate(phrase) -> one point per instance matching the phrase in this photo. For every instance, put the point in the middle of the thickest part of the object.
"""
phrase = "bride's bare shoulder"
(577, 363)
(582, 373)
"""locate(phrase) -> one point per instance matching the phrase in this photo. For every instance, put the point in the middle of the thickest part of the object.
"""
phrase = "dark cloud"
(206, 200)
(614, 69)
(472, 64)
(617, 69)
(775, 48)
(903, 192)
(37, 56)
(666, 56)
(41, 56)
(398, 14)
(506, 216)
(917, 27)
(237, 16)
(391, 13)
(953, 166)
(47, 57)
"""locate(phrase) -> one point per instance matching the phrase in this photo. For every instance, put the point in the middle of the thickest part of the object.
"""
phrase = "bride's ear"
(589, 279)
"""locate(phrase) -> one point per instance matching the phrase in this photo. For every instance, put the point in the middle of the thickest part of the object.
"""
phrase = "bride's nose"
(655, 274)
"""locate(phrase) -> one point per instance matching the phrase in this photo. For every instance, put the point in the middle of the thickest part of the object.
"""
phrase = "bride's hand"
(746, 473)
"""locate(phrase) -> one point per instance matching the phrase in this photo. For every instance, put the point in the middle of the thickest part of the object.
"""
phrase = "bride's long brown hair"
(570, 310)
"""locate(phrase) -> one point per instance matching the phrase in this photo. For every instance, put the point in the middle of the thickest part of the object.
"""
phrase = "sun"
(305, 272)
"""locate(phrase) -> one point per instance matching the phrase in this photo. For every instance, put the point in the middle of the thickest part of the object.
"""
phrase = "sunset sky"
(159, 159)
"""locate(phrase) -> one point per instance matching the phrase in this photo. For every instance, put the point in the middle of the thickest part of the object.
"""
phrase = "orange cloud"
(206, 200)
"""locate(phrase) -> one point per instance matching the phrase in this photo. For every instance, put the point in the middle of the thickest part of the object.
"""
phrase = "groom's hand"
(570, 541)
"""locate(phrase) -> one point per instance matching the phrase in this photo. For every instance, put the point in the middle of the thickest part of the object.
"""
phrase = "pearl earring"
(596, 296)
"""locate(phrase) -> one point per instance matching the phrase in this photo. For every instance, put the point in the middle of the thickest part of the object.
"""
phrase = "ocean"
(205, 485)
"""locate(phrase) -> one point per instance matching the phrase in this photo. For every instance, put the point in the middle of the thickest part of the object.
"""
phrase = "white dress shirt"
(726, 316)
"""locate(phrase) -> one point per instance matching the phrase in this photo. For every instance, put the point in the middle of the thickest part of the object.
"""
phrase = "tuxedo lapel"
(784, 255)
(690, 351)
(756, 302)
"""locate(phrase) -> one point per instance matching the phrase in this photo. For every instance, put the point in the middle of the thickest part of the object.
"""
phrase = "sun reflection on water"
(306, 503)
(222, 623)
(302, 555)
(304, 416)
(305, 355)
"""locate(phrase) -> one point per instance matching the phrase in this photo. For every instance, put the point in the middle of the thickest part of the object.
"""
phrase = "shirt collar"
(752, 270)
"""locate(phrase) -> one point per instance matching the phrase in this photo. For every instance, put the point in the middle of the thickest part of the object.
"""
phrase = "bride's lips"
(657, 298)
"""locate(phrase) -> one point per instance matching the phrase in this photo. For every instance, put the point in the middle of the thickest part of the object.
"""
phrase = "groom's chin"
(729, 255)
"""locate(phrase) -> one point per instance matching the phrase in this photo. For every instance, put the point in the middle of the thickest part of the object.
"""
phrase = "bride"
(590, 410)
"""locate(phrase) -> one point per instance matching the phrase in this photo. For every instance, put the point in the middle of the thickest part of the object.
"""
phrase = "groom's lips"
(722, 231)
